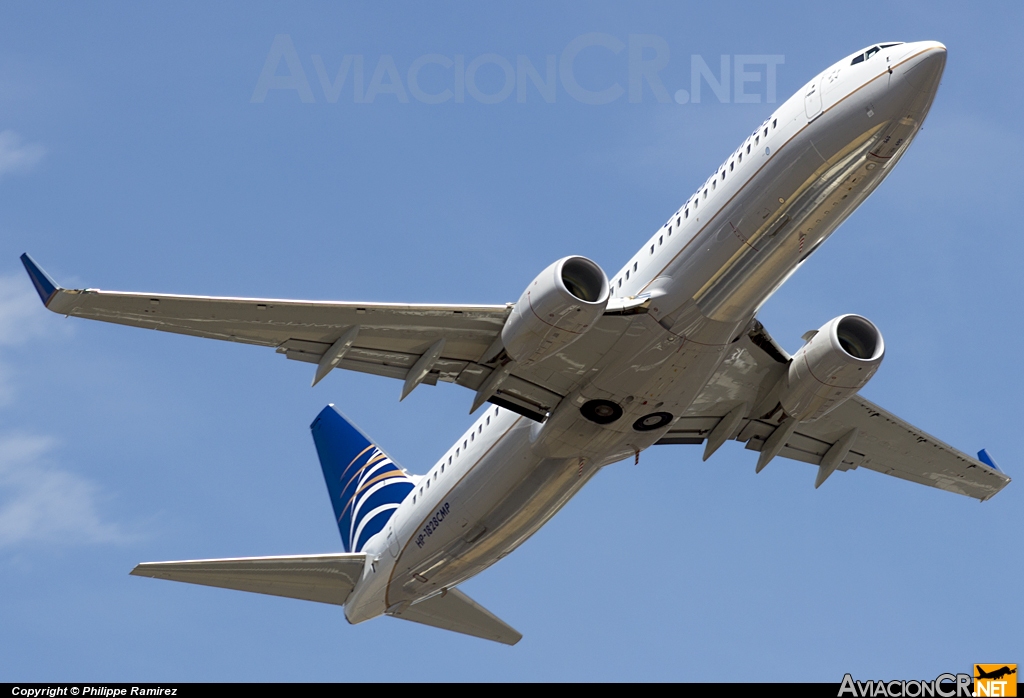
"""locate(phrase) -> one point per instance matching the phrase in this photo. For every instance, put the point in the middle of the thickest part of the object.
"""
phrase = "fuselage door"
(812, 100)
(392, 541)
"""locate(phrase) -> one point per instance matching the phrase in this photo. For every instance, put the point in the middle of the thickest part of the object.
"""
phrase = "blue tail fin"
(365, 485)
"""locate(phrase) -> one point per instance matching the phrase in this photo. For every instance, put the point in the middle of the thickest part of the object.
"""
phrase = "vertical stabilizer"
(365, 485)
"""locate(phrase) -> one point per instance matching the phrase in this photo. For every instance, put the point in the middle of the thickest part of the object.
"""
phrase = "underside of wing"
(453, 610)
(414, 343)
(304, 330)
(739, 399)
(378, 338)
(322, 578)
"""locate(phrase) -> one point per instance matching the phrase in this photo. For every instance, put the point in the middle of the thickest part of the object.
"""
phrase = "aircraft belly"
(503, 500)
(754, 243)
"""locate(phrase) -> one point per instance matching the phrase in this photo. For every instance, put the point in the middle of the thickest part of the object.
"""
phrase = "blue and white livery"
(587, 369)
(365, 485)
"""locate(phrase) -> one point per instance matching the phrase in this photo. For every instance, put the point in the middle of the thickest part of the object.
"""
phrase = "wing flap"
(323, 578)
(453, 610)
(893, 447)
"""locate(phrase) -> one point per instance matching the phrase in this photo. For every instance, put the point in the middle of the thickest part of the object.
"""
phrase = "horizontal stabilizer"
(453, 610)
(323, 578)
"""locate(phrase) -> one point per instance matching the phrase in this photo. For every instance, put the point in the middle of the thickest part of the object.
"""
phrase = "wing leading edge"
(384, 339)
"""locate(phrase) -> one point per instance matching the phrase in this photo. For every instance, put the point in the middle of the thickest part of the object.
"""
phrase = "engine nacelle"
(831, 367)
(556, 309)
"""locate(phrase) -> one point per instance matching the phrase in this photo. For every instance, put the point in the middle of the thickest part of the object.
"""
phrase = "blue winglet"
(45, 286)
(987, 460)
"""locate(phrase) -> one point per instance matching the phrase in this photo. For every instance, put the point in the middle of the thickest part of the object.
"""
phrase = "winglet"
(45, 286)
(987, 460)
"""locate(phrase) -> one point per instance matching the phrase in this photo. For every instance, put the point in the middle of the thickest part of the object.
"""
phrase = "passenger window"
(634, 266)
(456, 453)
(472, 436)
(488, 420)
(428, 483)
(686, 213)
(678, 221)
(442, 467)
(757, 139)
(652, 249)
(464, 444)
(705, 193)
(713, 184)
(748, 150)
(730, 166)
(774, 122)
(741, 157)
(723, 175)
(480, 429)
(620, 282)
(627, 275)
(659, 239)
(670, 231)
(765, 131)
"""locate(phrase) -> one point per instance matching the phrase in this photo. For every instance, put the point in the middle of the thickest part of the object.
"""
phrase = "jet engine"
(556, 309)
(836, 362)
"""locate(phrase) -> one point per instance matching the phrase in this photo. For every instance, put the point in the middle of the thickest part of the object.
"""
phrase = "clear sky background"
(133, 157)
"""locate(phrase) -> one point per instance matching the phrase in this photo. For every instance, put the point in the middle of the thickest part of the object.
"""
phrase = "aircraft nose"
(922, 65)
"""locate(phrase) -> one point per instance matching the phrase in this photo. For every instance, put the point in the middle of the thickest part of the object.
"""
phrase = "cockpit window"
(870, 52)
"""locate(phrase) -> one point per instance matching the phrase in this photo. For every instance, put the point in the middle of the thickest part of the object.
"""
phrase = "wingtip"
(985, 458)
(46, 287)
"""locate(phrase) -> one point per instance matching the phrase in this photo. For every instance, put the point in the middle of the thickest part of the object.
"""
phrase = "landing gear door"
(812, 100)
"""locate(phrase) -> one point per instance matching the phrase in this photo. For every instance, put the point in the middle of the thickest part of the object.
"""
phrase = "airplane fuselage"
(702, 277)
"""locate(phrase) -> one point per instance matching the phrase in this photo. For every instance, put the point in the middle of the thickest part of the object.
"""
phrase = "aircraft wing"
(415, 343)
(379, 338)
(323, 578)
(862, 433)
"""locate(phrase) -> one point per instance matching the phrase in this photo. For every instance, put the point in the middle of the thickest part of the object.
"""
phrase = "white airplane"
(586, 370)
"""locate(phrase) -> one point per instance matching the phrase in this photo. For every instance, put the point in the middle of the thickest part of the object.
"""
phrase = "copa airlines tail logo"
(373, 487)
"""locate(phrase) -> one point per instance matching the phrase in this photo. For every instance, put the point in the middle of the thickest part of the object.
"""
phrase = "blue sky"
(134, 157)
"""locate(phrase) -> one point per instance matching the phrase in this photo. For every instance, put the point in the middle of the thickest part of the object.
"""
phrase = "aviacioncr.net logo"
(995, 680)
(943, 686)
